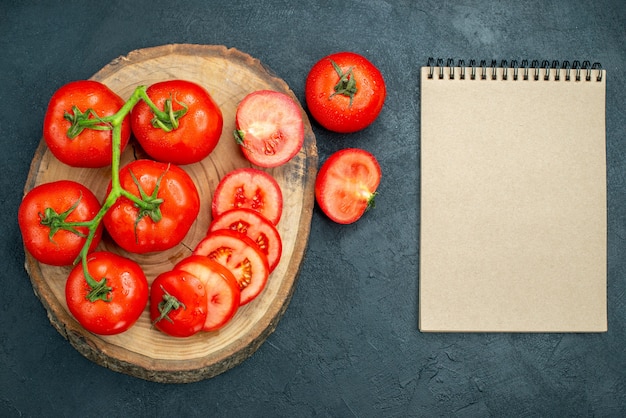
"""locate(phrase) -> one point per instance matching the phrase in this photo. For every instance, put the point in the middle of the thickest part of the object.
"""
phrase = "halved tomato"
(346, 184)
(269, 128)
(249, 188)
(241, 256)
(255, 226)
(223, 295)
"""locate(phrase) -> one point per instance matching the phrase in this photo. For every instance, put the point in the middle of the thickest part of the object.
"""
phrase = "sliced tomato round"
(241, 256)
(346, 184)
(223, 294)
(249, 188)
(255, 226)
(269, 128)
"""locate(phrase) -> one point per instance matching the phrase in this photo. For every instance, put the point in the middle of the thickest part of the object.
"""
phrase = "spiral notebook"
(512, 197)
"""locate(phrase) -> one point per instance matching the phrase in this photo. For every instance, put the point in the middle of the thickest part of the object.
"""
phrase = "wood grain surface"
(144, 352)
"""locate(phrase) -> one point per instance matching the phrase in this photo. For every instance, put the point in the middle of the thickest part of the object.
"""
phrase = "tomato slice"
(346, 184)
(178, 303)
(223, 294)
(241, 256)
(269, 128)
(249, 188)
(255, 226)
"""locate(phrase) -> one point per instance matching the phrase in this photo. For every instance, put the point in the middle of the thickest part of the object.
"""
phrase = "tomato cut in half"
(269, 128)
(255, 226)
(346, 184)
(241, 256)
(223, 294)
(249, 188)
(178, 303)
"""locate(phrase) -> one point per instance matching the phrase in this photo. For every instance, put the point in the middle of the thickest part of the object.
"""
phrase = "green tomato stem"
(99, 288)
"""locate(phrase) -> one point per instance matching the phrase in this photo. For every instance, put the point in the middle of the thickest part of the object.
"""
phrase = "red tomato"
(346, 184)
(249, 188)
(222, 288)
(256, 227)
(269, 128)
(142, 231)
(344, 92)
(128, 295)
(178, 303)
(241, 256)
(46, 215)
(198, 130)
(86, 99)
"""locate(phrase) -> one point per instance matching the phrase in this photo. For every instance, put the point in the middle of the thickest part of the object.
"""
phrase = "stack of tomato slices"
(230, 267)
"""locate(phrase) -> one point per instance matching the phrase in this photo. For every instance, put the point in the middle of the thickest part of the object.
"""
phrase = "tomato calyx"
(85, 120)
(370, 199)
(168, 119)
(100, 290)
(150, 204)
(168, 304)
(239, 137)
(56, 221)
(346, 86)
(240, 140)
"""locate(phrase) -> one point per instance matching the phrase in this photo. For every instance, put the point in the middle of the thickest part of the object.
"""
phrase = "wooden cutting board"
(142, 351)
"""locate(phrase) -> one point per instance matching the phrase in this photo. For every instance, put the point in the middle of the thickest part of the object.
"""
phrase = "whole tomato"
(172, 205)
(80, 101)
(344, 92)
(126, 299)
(189, 133)
(178, 303)
(52, 219)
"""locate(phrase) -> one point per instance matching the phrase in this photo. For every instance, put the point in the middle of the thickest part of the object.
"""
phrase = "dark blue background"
(348, 344)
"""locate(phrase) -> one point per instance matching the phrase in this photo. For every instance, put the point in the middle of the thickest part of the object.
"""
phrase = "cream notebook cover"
(513, 198)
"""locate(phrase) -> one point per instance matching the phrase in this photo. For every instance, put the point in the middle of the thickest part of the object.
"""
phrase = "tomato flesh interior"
(346, 184)
(258, 228)
(241, 256)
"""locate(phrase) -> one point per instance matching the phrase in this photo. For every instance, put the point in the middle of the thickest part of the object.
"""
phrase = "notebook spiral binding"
(526, 70)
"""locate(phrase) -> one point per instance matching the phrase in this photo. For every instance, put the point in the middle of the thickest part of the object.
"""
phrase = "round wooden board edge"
(175, 371)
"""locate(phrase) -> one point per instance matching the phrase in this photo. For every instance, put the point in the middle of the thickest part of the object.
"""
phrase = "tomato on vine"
(120, 298)
(77, 126)
(54, 219)
(189, 128)
(166, 203)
